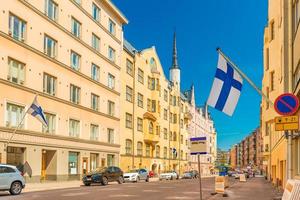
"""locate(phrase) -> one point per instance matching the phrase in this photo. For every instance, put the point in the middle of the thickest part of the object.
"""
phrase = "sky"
(233, 25)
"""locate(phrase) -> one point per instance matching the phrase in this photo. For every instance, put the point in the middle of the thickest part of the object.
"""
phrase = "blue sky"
(234, 25)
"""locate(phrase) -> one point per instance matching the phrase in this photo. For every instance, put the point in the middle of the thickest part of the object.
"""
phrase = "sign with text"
(287, 123)
(198, 145)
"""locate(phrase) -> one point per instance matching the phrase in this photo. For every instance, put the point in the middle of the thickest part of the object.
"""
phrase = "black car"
(103, 175)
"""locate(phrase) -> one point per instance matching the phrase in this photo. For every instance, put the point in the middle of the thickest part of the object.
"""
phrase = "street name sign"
(286, 104)
(198, 145)
(287, 123)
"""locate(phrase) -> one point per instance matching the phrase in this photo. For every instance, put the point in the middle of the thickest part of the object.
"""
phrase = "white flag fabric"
(226, 88)
(36, 111)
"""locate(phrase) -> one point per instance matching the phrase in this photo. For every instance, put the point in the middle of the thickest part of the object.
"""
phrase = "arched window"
(140, 149)
(153, 65)
(151, 127)
(128, 147)
(158, 151)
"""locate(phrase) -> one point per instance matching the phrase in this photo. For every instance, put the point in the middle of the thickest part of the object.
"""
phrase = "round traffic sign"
(286, 104)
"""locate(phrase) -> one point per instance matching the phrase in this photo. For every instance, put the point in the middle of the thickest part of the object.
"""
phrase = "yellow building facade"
(281, 74)
(69, 53)
(154, 120)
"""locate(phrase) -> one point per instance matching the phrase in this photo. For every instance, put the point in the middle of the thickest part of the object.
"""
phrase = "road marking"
(150, 190)
(74, 194)
(177, 197)
(190, 192)
(166, 187)
(122, 195)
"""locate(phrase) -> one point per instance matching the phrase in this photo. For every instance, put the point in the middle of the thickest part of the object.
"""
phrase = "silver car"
(136, 175)
(11, 179)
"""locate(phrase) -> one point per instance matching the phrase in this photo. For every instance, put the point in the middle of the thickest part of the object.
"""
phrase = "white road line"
(74, 194)
(122, 195)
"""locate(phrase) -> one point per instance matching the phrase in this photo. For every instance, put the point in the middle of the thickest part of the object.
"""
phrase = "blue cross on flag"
(36, 111)
(226, 88)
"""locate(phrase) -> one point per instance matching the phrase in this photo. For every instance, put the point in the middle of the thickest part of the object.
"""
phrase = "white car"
(170, 175)
(11, 179)
(136, 175)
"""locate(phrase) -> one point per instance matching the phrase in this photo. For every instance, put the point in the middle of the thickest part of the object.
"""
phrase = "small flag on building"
(226, 88)
(36, 111)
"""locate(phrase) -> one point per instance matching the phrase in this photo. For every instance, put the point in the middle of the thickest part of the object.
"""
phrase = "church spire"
(174, 56)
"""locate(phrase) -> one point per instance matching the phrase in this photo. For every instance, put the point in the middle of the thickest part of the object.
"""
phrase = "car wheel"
(104, 181)
(15, 188)
(137, 179)
(171, 178)
(147, 179)
(121, 180)
(87, 184)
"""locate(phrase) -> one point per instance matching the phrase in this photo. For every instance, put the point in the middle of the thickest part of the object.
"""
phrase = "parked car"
(12, 179)
(187, 175)
(170, 175)
(195, 174)
(103, 175)
(136, 175)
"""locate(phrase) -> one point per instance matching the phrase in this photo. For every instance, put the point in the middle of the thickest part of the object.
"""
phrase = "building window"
(128, 120)
(74, 128)
(140, 149)
(296, 15)
(14, 115)
(165, 114)
(181, 139)
(129, 93)
(94, 157)
(181, 123)
(111, 81)
(76, 27)
(94, 132)
(49, 84)
(174, 100)
(95, 72)
(129, 67)
(95, 42)
(112, 27)
(157, 151)
(50, 46)
(78, 2)
(272, 81)
(96, 12)
(111, 54)
(110, 136)
(51, 120)
(267, 58)
(272, 30)
(51, 9)
(94, 102)
(140, 100)
(153, 106)
(165, 152)
(74, 94)
(16, 71)
(268, 95)
(181, 155)
(175, 118)
(17, 28)
(147, 150)
(141, 76)
(151, 83)
(75, 60)
(139, 124)
(73, 163)
(166, 95)
(128, 147)
(110, 160)
(165, 133)
(111, 108)
(149, 105)
(150, 128)
(174, 136)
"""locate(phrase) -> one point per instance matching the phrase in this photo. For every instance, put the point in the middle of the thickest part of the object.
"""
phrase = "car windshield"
(133, 171)
(187, 172)
(100, 169)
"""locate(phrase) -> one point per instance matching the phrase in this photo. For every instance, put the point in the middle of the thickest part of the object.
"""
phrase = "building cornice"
(53, 136)
(27, 89)
(69, 33)
(26, 46)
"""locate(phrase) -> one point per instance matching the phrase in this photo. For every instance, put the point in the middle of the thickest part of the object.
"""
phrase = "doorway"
(84, 165)
(49, 165)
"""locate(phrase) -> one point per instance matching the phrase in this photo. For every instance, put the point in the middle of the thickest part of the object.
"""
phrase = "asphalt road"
(168, 190)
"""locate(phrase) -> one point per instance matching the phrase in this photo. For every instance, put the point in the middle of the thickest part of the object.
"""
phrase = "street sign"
(198, 145)
(286, 104)
(288, 123)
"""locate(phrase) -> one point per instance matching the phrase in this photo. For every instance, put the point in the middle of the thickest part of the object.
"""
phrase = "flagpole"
(15, 130)
(245, 77)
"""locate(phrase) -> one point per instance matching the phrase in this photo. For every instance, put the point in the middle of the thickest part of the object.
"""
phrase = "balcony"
(151, 138)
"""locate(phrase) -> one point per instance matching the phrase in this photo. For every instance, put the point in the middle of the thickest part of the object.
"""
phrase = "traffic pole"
(200, 184)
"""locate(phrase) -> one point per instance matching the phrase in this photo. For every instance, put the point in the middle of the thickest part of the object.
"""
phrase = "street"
(177, 189)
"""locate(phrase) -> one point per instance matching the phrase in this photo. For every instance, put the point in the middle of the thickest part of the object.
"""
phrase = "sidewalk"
(53, 185)
(255, 188)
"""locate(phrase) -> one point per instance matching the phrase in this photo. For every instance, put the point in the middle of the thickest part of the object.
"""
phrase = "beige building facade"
(69, 53)
(281, 74)
(154, 124)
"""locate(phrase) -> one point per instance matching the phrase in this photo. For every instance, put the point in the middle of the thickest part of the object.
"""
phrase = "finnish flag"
(36, 111)
(226, 88)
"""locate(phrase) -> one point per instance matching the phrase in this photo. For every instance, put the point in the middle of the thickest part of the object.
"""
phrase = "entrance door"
(44, 165)
(84, 165)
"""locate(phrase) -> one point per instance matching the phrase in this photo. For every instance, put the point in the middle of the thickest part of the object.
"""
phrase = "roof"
(127, 46)
(124, 20)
